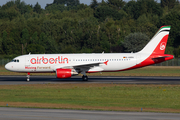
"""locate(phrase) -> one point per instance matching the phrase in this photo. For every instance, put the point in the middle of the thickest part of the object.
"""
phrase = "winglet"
(106, 62)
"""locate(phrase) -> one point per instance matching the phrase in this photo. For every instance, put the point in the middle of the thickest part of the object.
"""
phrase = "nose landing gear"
(28, 77)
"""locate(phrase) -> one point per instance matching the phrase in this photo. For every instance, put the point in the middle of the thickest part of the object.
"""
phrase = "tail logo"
(162, 46)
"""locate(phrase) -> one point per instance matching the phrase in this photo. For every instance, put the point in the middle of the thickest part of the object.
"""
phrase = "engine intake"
(65, 73)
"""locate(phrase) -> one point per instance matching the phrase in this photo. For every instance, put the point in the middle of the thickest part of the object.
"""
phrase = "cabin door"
(27, 61)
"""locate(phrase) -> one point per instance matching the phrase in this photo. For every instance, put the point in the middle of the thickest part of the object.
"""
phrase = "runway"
(14, 80)
(56, 114)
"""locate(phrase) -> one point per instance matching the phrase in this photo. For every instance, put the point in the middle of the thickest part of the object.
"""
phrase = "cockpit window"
(15, 60)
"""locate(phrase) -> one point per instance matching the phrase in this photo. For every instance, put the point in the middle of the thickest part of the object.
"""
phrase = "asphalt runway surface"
(7, 113)
(56, 114)
(14, 80)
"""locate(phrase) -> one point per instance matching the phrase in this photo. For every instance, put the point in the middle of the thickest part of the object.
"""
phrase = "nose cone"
(7, 66)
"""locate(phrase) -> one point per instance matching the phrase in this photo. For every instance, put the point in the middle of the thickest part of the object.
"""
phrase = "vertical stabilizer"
(157, 44)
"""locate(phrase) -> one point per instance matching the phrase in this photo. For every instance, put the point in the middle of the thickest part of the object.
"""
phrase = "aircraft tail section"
(153, 52)
(157, 44)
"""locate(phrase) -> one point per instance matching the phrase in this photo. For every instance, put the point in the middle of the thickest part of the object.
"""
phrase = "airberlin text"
(43, 60)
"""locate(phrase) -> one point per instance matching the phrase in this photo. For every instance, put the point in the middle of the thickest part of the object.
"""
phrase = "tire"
(85, 78)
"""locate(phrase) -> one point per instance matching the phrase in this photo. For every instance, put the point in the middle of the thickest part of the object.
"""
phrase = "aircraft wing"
(90, 64)
(87, 66)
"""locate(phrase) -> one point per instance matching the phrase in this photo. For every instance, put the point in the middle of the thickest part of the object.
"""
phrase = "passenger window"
(17, 60)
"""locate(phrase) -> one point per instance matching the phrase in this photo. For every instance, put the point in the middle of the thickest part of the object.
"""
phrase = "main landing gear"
(28, 76)
(85, 78)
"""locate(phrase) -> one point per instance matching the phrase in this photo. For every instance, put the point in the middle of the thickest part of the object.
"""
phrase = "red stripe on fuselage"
(150, 60)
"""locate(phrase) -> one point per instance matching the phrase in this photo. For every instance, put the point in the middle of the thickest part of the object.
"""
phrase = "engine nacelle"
(65, 73)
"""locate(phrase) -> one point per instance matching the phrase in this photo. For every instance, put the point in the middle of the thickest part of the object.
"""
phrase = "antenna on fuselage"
(29, 53)
(103, 52)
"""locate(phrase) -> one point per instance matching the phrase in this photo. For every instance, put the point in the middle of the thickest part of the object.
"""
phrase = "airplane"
(67, 65)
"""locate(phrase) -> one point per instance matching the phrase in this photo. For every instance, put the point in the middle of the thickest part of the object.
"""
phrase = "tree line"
(67, 26)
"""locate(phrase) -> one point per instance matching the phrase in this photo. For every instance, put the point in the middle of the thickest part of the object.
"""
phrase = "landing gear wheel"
(85, 78)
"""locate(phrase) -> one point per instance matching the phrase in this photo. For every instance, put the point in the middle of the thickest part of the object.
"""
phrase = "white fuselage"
(51, 62)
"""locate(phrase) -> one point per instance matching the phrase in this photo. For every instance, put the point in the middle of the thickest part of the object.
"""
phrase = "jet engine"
(65, 73)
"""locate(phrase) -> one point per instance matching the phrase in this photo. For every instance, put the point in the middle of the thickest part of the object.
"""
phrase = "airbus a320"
(67, 65)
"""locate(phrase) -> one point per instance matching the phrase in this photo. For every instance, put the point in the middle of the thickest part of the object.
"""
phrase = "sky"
(44, 2)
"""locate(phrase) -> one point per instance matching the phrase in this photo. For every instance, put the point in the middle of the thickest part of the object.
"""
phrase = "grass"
(156, 98)
(146, 71)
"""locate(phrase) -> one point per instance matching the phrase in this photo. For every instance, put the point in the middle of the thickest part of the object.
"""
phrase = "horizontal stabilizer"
(161, 58)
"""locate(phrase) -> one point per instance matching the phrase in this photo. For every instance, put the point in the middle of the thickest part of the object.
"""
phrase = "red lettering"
(33, 61)
(40, 60)
(51, 60)
(30, 68)
(44, 60)
(66, 60)
(37, 60)
(59, 60)
(56, 60)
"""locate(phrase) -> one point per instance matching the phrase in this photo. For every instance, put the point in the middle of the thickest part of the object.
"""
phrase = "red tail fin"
(160, 49)
(157, 44)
